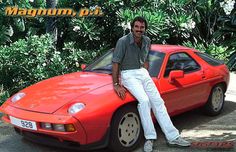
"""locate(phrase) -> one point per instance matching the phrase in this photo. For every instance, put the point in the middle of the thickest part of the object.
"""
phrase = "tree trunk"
(51, 21)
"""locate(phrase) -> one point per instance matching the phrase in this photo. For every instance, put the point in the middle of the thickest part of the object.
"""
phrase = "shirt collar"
(131, 39)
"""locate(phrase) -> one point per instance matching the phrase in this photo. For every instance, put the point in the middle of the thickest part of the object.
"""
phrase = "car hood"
(49, 95)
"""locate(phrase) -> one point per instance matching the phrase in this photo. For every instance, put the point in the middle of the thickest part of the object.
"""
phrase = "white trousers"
(141, 86)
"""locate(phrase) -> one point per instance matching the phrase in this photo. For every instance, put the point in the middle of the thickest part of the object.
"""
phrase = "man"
(131, 57)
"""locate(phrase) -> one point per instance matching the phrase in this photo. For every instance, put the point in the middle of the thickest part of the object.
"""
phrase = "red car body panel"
(49, 100)
(41, 117)
(57, 91)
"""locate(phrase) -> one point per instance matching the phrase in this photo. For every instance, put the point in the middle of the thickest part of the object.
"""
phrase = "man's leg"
(160, 112)
(159, 109)
(135, 87)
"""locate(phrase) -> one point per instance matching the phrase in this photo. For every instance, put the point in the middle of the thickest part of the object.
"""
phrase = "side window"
(181, 61)
(210, 60)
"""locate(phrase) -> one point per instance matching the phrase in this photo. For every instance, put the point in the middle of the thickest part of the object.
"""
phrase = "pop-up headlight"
(76, 108)
(17, 97)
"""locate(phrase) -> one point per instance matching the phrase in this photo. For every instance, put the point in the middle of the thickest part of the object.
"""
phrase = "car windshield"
(104, 63)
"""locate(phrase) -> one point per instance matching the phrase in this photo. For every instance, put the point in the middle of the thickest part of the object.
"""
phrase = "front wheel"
(215, 102)
(126, 130)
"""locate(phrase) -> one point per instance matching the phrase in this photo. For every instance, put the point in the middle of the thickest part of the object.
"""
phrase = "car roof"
(169, 48)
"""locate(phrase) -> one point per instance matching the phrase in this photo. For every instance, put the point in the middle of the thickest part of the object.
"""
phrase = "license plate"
(23, 123)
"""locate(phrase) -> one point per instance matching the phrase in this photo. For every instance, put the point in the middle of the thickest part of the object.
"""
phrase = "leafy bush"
(30, 60)
(3, 95)
(74, 56)
(25, 62)
(218, 52)
(157, 28)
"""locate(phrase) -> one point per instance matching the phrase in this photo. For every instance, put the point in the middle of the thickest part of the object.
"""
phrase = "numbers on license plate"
(26, 124)
(23, 123)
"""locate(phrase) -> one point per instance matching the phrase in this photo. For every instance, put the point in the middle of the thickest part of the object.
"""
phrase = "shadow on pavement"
(196, 117)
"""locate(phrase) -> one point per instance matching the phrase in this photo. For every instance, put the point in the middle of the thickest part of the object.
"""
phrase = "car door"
(186, 92)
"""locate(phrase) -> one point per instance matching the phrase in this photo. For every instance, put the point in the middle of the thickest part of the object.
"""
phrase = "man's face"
(138, 29)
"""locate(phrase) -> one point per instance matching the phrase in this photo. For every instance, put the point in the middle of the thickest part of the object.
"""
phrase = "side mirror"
(83, 66)
(175, 74)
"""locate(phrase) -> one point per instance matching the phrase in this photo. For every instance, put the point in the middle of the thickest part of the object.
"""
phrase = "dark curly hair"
(140, 19)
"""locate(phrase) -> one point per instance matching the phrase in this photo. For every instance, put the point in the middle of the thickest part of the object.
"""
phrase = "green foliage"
(169, 21)
(27, 61)
(218, 52)
(74, 57)
(157, 29)
(13, 28)
(3, 95)
(213, 25)
(90, 32)
(85, 30)
(6, 30)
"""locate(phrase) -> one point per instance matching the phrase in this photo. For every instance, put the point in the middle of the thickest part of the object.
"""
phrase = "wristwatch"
(116, 84)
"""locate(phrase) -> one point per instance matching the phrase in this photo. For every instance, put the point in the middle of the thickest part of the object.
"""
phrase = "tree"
(51, 21)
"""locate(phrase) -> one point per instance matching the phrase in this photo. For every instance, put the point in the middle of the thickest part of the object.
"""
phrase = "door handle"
(203, 75)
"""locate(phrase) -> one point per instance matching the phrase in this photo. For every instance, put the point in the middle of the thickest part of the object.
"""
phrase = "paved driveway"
(193, 125)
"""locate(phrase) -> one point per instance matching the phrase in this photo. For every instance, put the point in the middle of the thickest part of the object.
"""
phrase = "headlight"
(59, 127)
(17, 97)
(76, 108)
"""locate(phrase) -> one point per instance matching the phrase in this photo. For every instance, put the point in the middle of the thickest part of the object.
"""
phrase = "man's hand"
(146, 65)
(120, 90)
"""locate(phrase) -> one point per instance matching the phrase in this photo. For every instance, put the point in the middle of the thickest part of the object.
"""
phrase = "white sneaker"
(179, 142)
(148, 146)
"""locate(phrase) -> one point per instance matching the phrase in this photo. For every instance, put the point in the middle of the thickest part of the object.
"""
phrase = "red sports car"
(81, 110)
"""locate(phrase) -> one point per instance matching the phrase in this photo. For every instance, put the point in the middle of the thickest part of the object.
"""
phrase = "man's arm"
(120, 90)
(115, 73)
(146, 65)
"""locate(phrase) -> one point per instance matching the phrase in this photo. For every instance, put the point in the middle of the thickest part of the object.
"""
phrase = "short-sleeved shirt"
(128, 54)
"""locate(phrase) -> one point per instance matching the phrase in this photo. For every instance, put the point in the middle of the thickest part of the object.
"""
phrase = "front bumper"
(52, 141)
(78, 136)
(69, 140)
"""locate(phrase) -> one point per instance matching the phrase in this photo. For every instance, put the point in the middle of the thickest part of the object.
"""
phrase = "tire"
(126, 130)
(215, 102)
